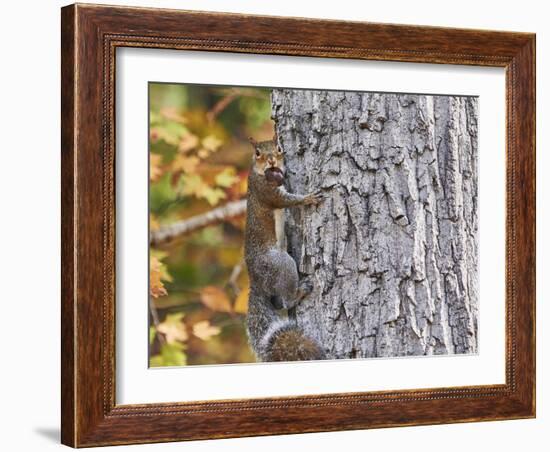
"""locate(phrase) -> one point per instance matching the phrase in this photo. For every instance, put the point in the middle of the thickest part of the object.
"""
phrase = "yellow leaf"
(203, 330)
(213, 195)
(211, 143)
(159, 254)
(215, 299)
(226, 178)
(193, 184)
(173, 328)
(153, 222)
(203, 153)
(241, 303)
(154, 167)
(185, 164)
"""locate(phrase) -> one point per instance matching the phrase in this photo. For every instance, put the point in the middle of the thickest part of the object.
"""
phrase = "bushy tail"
(274, 338)
(287, 342)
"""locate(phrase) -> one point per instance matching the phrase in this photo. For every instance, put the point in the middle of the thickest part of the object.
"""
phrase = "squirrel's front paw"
(314, 198)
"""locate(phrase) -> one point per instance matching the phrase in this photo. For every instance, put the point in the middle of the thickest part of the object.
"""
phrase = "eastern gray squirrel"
(274, 282)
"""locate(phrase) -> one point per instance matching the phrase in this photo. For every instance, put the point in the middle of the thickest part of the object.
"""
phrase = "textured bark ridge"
(393, 249)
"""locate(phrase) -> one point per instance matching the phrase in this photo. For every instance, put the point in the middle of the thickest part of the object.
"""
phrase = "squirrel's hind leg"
(286, 285)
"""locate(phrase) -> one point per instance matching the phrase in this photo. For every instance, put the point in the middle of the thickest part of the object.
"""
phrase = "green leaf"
(171, 132)
(173, 355)
(226, 178)
(161, 194)
(213, 195)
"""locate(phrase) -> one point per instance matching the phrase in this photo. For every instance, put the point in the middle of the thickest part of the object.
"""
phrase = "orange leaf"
(215, 299)
(157, 288)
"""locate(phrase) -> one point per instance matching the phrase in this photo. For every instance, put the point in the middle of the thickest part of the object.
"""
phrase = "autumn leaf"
(240, 187)
(241, 303)
(193, 184)
(213, 195)
(185, 164)
(173, 328)
(187, 143)
(154, 166)
(211, 143)
(157, 273)
(226, 178)
(215, 299)
(170, 132)
(153, 222)
(204, 330)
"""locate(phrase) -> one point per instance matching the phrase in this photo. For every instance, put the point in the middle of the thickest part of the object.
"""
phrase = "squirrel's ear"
(253, 142)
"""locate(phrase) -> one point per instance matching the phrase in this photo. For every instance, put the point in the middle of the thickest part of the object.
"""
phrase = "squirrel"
(274, 282)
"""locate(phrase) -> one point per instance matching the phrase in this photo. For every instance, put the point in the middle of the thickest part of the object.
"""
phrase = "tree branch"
(183, 227)
(235, 273)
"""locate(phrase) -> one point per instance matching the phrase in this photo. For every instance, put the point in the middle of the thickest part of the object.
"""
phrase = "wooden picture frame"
(90, 36)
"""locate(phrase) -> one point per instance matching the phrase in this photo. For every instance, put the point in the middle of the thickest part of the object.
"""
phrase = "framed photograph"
(280, 225)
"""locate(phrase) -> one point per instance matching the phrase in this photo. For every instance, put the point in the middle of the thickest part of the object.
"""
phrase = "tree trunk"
(393, 249)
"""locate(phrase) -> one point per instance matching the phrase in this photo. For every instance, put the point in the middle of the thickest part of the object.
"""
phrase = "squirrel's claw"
(315, 198)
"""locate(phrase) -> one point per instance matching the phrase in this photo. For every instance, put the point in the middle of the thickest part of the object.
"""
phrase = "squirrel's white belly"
(280, 227)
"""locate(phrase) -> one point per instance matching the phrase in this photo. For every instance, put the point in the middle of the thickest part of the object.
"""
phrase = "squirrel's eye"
(279, 150)
(257, 153)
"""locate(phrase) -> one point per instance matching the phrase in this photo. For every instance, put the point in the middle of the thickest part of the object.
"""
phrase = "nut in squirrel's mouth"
(274, 169)
(274, 175)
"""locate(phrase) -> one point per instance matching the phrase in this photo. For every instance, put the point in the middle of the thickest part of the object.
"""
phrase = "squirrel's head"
(267, 155)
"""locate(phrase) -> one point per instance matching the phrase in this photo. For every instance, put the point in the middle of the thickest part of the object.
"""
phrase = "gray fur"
(274, 280)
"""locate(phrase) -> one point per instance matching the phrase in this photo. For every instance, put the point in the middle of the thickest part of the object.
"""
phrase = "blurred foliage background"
(199, 163)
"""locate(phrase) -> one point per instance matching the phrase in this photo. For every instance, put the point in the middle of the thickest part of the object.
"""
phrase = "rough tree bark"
(393, 249)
